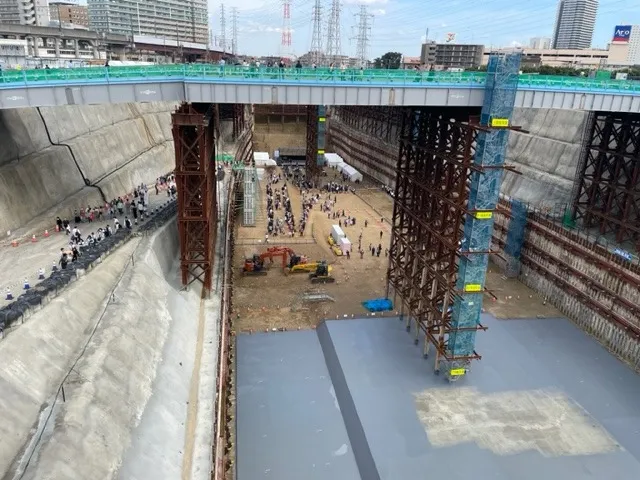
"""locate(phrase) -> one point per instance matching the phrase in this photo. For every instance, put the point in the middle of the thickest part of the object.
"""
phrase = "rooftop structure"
(540, 43)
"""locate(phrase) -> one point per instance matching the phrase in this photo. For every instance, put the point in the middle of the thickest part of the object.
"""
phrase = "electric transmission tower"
(334, 47)
(234, 30)
(316, 39)
(285, 43)
(223, 29)
(362, 39)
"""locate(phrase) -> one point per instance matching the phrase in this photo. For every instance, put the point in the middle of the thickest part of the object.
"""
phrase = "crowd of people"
(277, 198)
(134, 207)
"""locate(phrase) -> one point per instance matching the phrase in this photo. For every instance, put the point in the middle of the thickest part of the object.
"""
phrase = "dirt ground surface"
(276, 300)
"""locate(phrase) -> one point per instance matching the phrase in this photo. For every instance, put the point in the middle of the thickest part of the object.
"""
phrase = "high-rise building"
(24, 12)
(575, 21)
(633, 56)
(540, 43)
(181, 20)
(68, 13)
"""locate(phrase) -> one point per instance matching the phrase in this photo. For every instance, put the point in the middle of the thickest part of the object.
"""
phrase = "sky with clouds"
(401, 25)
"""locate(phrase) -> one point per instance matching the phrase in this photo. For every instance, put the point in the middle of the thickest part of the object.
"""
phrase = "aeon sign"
(622, 33)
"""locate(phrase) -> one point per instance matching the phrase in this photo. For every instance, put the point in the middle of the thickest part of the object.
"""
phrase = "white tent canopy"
(260, 156)
(333, 159)
(269, 162)
(353, 174)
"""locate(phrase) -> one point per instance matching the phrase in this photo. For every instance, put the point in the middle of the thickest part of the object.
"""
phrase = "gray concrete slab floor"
(289, 425)
(546, 401)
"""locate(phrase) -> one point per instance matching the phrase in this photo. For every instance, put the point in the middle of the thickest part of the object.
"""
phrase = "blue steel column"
(500, 93)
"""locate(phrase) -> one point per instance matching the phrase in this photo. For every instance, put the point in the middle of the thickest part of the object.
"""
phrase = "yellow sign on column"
(500, 122)
(484, 215)
(473, 287)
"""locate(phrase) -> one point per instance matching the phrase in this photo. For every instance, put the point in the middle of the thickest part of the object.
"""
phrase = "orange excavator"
(256, 264)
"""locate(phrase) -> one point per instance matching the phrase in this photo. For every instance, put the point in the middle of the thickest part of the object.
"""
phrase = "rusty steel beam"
(434, 165)
(576, 245)
(609, 178)
(193, 134)
(584, 297)
(586, 278)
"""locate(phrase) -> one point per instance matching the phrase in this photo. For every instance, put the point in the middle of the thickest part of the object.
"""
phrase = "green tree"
(389, 61)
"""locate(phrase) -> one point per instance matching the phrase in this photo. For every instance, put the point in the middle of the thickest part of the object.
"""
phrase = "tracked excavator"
(256, 264)
(322, 274)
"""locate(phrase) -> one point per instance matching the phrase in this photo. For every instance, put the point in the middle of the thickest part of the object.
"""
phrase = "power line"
(223, 29)
(334, 47)
(234, 30)
(316, 39)
(362, 39)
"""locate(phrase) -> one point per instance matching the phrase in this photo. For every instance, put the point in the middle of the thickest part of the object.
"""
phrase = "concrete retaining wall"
(546, 157)
(570, 276)
(268, 138)
(49, 156)
(131, 386)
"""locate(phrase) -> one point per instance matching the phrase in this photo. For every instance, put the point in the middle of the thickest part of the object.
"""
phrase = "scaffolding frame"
(433, 170)
(608, 196)
(193, 128)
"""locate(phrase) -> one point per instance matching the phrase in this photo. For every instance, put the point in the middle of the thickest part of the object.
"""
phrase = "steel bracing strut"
(609, 179)
(193, 134)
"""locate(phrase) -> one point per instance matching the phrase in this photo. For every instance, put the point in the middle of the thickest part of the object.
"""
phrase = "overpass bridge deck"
(308, 76)
(305, 86)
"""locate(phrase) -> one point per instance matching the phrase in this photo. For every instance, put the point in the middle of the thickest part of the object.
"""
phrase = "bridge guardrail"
(272, 75)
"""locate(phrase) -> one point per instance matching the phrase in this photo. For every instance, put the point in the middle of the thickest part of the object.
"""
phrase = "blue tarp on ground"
(378, 305)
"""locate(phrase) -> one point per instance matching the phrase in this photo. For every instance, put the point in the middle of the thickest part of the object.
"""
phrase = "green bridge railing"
(248, 74)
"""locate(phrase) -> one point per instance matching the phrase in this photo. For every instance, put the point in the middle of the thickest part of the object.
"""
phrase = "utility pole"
(364, 29)
(316, 39)
(334, 47)
(223, 29)
(234, 31)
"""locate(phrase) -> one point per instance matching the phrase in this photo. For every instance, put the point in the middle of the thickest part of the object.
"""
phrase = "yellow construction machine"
(322, 273)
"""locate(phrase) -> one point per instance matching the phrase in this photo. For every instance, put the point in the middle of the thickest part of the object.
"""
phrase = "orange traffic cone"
(33, 239)
(46, 233)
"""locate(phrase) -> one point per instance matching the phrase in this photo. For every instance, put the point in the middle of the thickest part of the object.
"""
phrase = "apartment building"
(24, 12)
(69, 13)
(180, 20)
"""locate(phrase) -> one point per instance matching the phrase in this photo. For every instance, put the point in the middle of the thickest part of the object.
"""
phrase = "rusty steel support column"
(193, 135)
(609, 181)
(435, 158)
(316, 123)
